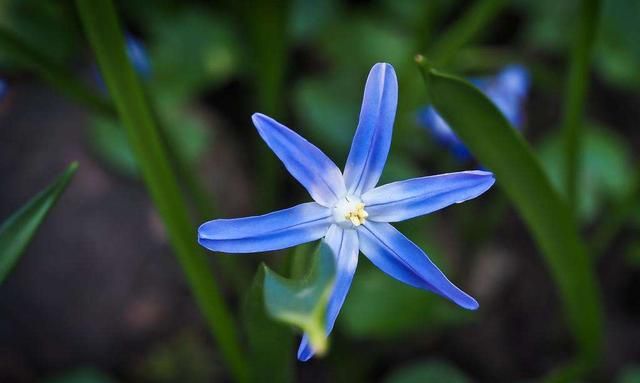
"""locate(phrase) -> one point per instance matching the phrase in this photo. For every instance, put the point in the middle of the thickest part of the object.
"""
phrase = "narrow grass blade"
(102, 26)
(499, 147)
(576, 93)
(18, 230)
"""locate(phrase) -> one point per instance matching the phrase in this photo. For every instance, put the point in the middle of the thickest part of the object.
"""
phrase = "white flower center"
(349, 212)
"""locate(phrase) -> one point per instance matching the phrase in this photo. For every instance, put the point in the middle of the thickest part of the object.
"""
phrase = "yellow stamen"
(358, 215)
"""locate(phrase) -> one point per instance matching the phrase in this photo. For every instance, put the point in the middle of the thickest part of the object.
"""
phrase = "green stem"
(52, 72)
(265, 23)
(575, 95)
(473, 22)
(102, 26)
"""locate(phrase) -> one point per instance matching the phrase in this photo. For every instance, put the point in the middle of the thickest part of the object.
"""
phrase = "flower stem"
(575, 96)
(102, 26)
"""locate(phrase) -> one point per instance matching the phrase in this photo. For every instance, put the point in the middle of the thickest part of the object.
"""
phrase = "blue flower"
(508, 91)
(349, 212)
(138, 56)
(4, 89)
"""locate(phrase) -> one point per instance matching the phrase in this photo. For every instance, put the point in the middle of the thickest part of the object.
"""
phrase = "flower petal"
(402, 200)
(397, 256)
(312, 168)
(373, 136)
(344, 244)
(278, 230)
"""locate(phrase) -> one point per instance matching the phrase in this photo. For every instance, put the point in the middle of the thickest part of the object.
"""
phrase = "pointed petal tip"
(304, 355)
(469, 303)
(259, 118)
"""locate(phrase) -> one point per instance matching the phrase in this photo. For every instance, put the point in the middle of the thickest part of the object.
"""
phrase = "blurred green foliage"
(428, 371)
(314, 80)
(81, 375)
(606, 166)
(184, 357)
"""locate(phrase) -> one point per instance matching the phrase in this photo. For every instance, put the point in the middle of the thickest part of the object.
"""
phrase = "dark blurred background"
(98, 295)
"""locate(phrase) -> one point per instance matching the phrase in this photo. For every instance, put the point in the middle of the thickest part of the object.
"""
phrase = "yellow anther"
(358, 215)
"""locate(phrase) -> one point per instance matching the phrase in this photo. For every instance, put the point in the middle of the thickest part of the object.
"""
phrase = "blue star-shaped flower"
(350, 213)
(508, 91)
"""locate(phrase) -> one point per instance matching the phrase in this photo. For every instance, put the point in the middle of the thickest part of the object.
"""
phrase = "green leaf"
(618, 48)
(18, 230)
(102, 26)
(428, 371)
(191, 49)
(270, 342)
(605, 168)
(302, 303)
(630, 374)
(185, 131)
(498, 146)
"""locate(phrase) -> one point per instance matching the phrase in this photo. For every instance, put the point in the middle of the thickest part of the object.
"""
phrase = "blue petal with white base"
(349, 212)
(399, 201)
(373, 136)
(306, 163)
(274, 231)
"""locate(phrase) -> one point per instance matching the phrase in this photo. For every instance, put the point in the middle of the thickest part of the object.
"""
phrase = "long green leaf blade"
(576, 94)
(497, 145)
(18, 230)
(102, 26)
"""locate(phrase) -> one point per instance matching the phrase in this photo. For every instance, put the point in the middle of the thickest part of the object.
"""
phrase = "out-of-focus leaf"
(185, 130)
(270, 342)
(497, 145)
(618, 48)
(109, 140)
(191, 50)
(332, 131)
(428, 372)
(47, 25)
(546, 23)
(303, 303)
(632, 254)
(185, 357)
(606, 168)
(630, 375)
(380, 307)
(16, 232)
(310, 17)
(81, 375)
(354, 45)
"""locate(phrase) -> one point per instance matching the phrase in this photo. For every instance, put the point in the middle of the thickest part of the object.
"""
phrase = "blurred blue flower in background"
(4, 89)
(349, 212)
(508, 90)
(138, 56)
